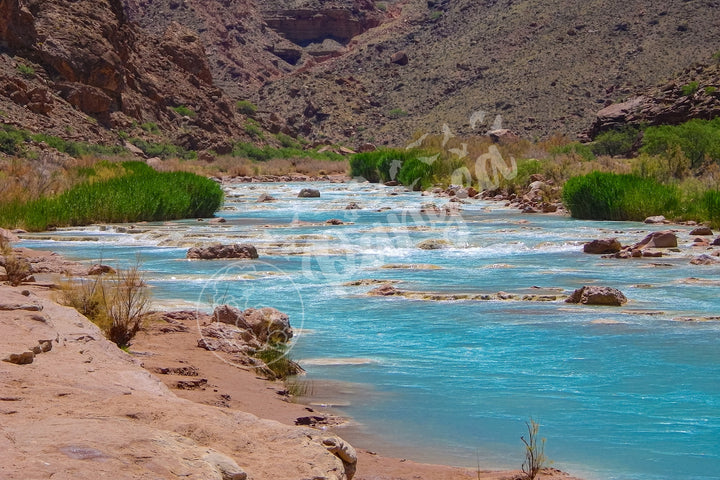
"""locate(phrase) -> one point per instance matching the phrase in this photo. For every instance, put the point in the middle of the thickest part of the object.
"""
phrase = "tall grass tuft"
(279, 365)
(610, 196)
(141, 194)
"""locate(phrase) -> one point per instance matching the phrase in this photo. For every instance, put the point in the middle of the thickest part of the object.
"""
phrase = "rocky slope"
(85, 409)
(695, 93)
(346, 70)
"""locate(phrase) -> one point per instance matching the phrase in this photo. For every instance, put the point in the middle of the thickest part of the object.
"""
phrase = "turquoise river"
(628, 392)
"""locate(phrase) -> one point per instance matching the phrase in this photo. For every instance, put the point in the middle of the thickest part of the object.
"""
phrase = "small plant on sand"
(117, 304)
(535, 458)
(278, 365)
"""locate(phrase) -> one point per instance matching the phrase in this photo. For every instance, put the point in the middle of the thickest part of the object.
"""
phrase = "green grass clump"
(141, 194)
(279, 364)
(253, 129)
(610, 196)
(12, 140)
(698, 139)
(150, 127)
(415, 169)
(397, 113)
(263, 154)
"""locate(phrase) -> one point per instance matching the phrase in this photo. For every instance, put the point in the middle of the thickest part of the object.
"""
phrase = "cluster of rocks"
(219, 251)
(650, 245)
(45, 345)
(389, 290)
(539, 196)
(594, 295)
(244, 331)
(295, 177)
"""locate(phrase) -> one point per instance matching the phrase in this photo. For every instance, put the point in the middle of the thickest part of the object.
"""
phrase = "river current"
(628, 392)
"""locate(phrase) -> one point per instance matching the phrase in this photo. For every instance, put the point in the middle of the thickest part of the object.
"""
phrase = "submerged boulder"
(602, 246)
(309, 193)
(433, 244)
(663, 239)
(592, 295)
(217, 251)
(703, 231)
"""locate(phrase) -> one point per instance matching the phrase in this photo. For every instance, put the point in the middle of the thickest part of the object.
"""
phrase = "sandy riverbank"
(86, 406)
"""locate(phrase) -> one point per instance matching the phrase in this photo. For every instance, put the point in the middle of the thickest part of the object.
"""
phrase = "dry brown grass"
(17, 269)
(117, 304)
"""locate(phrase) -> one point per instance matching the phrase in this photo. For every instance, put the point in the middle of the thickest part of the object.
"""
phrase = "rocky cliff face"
(345, 70)
(79, 64)
(694, 93)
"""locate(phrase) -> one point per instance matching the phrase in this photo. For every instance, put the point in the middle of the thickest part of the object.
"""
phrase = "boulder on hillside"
(664, 239)
(399, 58)
(592, 295)
(309, 193)
(602, 246)
(218, 250)
(703, 231)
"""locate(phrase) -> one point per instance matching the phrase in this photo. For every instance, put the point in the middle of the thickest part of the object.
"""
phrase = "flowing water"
(628, 392)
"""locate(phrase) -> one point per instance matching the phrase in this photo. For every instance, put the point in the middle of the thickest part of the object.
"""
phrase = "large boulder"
(267, 325)
(433, 244)
(602, 246)
(592, 295)
(6, 236)
(664, 239)
(656, 219)
(217, 251)
(705, 259)
(309, 193)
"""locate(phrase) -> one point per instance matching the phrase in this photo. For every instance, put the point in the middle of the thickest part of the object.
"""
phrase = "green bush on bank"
(412, 168)
(698, 139)
(263, 154)
(141, 194)
(12, 140)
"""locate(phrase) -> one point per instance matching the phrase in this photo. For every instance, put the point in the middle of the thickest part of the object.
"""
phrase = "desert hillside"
(351, 71)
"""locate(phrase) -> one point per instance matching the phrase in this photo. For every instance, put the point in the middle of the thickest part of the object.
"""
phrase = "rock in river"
(602, 246)
(592, 295)
(217, 250)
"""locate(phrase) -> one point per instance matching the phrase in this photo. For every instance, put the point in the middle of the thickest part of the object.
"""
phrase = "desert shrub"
(709, 90)
(663, 168)
(245, 107)
(253, 129)
(150, 127)
(535, 458)
(397, 113)
(287, 141)
(698, 139)
(689, 89)
(184, 111)
(117, 304)
(610, 196)
(11, 140)
(615, 142)
(574, 148)
(16, 269)
(26, 70)
(141, 194)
